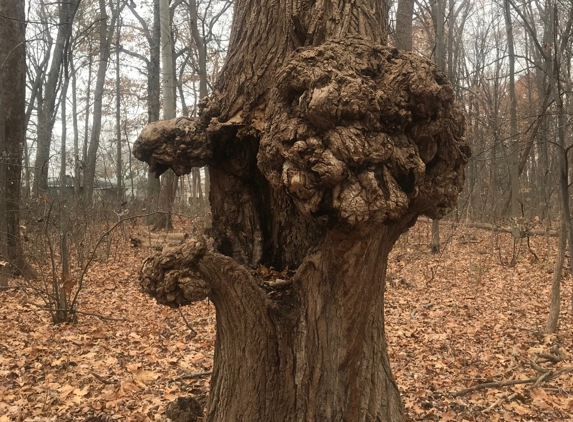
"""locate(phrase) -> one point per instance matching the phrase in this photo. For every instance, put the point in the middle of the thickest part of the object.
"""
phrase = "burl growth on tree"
(350, 144)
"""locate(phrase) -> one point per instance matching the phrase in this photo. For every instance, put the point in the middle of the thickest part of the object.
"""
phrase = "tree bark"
(438, 8)
(154, 103)
(118, 169)
(203, 91)
(320, 157)
(153, 65)
(325, 355)
(555, 301)
(168, 187)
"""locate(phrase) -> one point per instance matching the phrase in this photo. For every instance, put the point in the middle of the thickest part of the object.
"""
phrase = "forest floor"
(454, 320)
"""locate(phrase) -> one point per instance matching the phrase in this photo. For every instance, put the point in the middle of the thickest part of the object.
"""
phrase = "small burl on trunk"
(323, 146)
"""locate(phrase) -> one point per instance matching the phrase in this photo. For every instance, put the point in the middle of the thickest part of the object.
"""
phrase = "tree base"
(308, 348)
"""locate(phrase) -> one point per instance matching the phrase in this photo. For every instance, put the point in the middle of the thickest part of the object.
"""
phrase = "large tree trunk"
(319, 159)
(12, 133)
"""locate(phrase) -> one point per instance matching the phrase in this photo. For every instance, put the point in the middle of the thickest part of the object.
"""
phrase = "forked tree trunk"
(319, 159)
(46, 120)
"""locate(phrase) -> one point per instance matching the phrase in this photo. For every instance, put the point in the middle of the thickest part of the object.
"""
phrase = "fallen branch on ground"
(192, 376)
(544, 377)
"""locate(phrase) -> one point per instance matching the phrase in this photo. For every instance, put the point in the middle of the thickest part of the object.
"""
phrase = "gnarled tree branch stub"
(179, 144)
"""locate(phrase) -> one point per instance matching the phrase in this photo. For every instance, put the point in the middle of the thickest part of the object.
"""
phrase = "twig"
(539, 368)
(192, 376)
(496, 384)
(550, 358)
(186, 322)
(102, 379)
(499, 400)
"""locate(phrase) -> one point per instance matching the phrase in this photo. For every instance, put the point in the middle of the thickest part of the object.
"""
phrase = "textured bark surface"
(323, 147)
(265, 33)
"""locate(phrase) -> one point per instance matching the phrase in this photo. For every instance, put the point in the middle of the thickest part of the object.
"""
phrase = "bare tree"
(66, 13)
(106, 33)
(513, 132)
(560, 87)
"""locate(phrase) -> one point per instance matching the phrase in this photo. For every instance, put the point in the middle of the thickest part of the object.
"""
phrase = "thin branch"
(186, 322)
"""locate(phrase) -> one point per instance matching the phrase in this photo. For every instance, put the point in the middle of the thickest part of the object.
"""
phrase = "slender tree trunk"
(203, 91)
(81, 180)
(169, 179)
(513, 132)
(106, 33)
(555, 302)
(440, 61)
(118, 169)
(404, 24)
(64, 137)
(153, 104)
(4, 249)
(34, 98)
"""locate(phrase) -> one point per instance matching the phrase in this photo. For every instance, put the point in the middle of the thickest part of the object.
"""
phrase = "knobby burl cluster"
(173, 277)
(358, 135)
